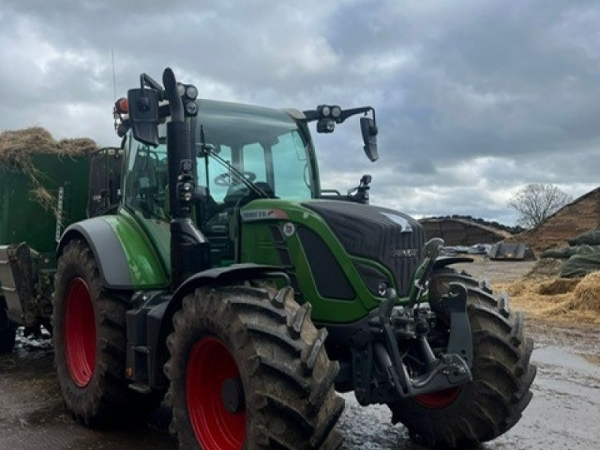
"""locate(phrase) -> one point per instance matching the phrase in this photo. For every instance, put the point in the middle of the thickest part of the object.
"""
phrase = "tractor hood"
(389, 237)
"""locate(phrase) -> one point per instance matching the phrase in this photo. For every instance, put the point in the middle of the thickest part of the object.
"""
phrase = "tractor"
(220, 277)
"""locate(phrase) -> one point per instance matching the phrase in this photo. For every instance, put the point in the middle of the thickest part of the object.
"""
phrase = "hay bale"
(17, 145)
(586, 296)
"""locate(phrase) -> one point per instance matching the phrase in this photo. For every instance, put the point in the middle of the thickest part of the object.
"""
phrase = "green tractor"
(225, 277)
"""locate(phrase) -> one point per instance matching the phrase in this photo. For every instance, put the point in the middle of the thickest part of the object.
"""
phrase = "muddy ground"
(564, 413)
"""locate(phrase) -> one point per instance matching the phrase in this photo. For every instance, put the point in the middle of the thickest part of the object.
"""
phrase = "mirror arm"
(147, 80)
(353, 111)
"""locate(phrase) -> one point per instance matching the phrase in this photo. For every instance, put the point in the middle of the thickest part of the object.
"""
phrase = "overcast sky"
(474, 98)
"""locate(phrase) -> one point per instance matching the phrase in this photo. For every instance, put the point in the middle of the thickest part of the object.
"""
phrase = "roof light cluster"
(188, 93)
(327, 111)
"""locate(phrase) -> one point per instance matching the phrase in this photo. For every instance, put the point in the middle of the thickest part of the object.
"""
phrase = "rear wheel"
(90, 342)
(249, 370)
(494, 400)
(7, 330)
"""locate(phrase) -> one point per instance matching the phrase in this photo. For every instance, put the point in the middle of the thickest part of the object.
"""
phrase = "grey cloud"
(453, 83)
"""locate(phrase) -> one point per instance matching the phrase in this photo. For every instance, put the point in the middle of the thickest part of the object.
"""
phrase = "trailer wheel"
(249, 370)
(90, 342)
(7, 330)
(494, 400)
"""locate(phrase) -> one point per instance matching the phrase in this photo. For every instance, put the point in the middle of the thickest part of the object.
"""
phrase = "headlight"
(376, 281)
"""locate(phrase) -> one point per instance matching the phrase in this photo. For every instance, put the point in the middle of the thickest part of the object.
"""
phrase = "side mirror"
(143, 114)
(368, 129)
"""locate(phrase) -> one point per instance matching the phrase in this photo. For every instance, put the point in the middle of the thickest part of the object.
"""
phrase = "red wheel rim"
(80, 333)
(438, 400)
(210, 364)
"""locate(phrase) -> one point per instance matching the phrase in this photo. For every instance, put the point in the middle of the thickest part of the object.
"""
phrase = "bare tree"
(535, 202)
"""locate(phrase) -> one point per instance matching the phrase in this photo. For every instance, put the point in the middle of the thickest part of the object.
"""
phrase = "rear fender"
(126, 259)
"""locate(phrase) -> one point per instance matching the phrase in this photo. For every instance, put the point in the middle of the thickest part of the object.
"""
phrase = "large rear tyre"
(494, 400)
(90, 343)
(249, 370)
(7, 330)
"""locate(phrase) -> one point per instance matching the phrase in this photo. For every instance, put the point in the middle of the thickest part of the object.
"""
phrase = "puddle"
(565, 358)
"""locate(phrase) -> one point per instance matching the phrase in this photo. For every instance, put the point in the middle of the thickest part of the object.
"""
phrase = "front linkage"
(392, 357)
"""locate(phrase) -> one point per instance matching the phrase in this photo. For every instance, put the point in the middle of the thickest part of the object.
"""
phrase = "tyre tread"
(272, 355)
(502, 373)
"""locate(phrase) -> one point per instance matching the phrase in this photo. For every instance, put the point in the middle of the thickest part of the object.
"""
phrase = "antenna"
(112, 51)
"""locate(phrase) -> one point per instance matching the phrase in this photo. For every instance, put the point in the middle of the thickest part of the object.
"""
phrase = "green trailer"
(42, 201)
(42, 191)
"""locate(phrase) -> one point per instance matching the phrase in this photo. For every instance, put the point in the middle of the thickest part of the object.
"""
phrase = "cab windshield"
(265, 146)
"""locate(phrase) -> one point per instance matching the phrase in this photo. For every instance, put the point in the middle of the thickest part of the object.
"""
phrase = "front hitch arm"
(449, 370)
(432, 250)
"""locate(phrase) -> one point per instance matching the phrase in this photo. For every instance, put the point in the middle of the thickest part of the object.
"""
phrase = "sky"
(474, 98)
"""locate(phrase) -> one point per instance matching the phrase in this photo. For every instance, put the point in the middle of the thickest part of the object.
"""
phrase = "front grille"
(376, 233)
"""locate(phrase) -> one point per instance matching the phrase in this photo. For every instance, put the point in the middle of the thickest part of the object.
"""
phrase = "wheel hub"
(232, 395)
(215, 396)
(440, 399)
(80, 333)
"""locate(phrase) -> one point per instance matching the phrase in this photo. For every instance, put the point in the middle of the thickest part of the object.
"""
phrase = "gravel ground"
(496, 271)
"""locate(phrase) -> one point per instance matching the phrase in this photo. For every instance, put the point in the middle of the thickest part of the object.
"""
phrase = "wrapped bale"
(581, 265)
(591, 237)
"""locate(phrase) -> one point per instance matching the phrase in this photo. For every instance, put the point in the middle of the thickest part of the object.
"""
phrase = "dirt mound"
(16, 145)
(559, 299)
(580, 215)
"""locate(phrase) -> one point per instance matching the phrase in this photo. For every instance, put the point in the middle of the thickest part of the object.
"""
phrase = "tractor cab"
(241, 153)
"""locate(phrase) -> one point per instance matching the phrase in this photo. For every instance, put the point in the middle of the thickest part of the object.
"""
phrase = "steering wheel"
(227, 179)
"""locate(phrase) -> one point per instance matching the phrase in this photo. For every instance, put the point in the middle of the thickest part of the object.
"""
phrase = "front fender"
(217, 276)
(443, 261)
(163, 314)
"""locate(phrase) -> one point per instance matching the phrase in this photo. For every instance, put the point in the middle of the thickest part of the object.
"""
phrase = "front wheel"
(249, 370)
(494, 400)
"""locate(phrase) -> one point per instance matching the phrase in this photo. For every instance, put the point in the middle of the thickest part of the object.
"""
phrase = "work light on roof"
(191, 108)
(191, 92)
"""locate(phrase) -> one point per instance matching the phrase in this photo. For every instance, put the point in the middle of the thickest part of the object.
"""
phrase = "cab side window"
(146, 186)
